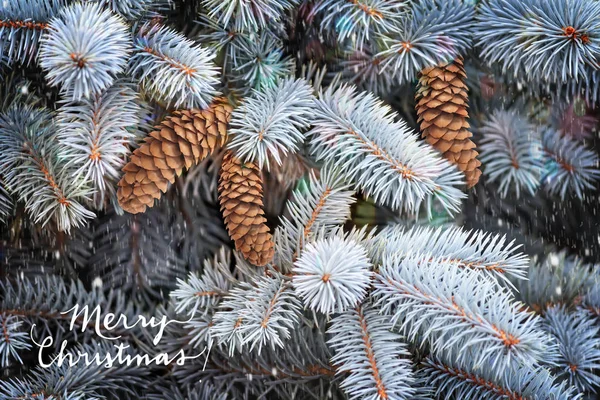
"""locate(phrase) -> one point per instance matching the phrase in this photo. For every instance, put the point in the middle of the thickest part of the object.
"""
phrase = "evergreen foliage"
(350, 260)
(558, 280)
(97, 134)
(144, 261)
(15, 340)
(247, 16)
(91, 382)
(6, 204)
(34, 172)
(552, 41)
(314, 212)
(488, 255)
(375, 359)
(511, 152)
(358, 134)
(269, 124)
(266, 320)
(22, 23)
(129, 9)
(172, 68)
(86, 47)
(435, 31)
(465, 380)
(569, 165)
(579, 347)
(521, 156)
(449, 308)
(258, 61)
(359, 18)
(325, 282)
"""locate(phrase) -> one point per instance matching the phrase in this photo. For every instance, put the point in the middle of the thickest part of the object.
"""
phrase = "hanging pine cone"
(241, 198)
(442, 110)
(180, 141)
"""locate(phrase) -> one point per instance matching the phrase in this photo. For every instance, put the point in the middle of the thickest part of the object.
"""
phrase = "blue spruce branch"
(487, 254)
(32, 165)
(204, 292)
(511, 152)
(22, 24)
(85, 49)
(375, 359)
(540, 40)
(129, 9)
(578, 342)
(264, 322)
(80, 382)
(98, 133)
(138, 254)
(15, 339)
(270, 123)
(248, 16)
(437, 303)
(434, 31)
(466, 379)
(6, 202)
(558, 280)
(319, 208)
(568, 165)
(172, 68)
(360, 18)
(332, 275)
(257, 61)
(358, 134)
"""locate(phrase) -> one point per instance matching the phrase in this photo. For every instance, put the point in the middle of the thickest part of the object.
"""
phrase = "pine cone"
(442, 111)
(241, 197)
(180, 141)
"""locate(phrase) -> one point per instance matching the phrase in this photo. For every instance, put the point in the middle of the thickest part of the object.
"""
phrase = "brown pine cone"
(241, 198)
(442, 110)
(179, 141)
